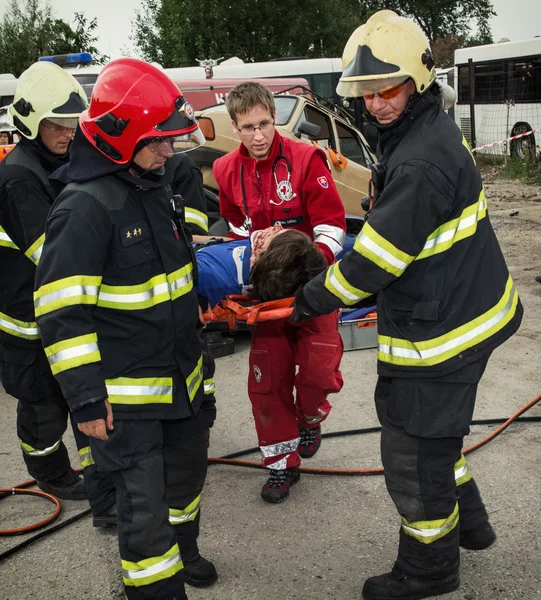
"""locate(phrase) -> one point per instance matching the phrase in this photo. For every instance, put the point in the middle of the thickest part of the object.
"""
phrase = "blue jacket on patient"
(223, 269)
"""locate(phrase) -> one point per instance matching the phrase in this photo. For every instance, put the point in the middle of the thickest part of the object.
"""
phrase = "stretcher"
(247, 310)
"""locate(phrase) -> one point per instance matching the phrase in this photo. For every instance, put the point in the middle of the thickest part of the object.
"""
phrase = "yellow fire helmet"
(46, 91)
(385, 52)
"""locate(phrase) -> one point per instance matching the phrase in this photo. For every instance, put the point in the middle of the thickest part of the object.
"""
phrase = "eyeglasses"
(249, 130)
(58, 129)
(386, 94)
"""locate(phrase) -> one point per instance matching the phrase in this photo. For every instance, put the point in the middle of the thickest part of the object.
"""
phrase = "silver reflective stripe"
(140, 390)
(196, 216)
(161, 288)
(461, 472)
(36, 255)
(152, 570)
(238, 230)
(378, 250)
(332, 237)
(333, 280)
(455, 342)
(435, 531)
(25, 331)
(209, 387)
(29, 451)
(5, 240)
(69, 292)
(180, 282)
(74, 352)
(279, 465)
(280, 448)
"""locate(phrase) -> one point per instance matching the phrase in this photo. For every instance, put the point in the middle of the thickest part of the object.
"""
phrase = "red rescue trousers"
(277, 349)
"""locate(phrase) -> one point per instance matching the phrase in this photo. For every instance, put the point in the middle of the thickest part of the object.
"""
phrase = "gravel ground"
(333, 532)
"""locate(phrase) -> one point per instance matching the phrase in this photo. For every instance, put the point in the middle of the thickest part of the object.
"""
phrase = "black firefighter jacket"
(115, 297)
(444, 294)
(26, 196)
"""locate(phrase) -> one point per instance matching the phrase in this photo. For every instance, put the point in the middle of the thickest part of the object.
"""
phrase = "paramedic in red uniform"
(271, 179)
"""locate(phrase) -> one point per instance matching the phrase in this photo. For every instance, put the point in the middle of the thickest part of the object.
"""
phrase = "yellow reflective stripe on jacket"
(135, 297)
(181, 281)
(338, 285)
(458, 229)
(26, 330)
(73, 352)
(377, 249)
(468, 148)
(427, 532)
(85, 456)
(177, 516)
(193, 382)
(437, 350)
(6, 241)
(141, 390)
(78, 289)
(210, 386)
(462, 472)
(29, 451)
(151, 570)
(196, 217)
(34, 252)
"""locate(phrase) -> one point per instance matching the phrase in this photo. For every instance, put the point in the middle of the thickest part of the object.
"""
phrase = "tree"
(177, 32)
(29, 31)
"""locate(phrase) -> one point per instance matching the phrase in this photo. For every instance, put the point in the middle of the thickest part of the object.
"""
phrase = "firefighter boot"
(200, 572)
(277, 487)
(479, 538)
(67, 487)
(398, 585)
(310, 441)
(106, 518)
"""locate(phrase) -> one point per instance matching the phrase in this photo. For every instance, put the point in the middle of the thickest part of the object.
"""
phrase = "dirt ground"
(333, 532)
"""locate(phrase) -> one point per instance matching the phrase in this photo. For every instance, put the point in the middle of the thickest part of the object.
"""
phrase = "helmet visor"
(176, 143)
(386, 88)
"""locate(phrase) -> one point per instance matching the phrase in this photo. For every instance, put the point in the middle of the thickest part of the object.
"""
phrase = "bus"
(506, 95)
(7, 88)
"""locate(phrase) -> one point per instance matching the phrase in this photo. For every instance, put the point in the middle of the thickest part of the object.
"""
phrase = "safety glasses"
(388, 94)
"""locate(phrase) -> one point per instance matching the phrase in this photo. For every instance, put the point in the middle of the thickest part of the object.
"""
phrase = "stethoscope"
(284, 189)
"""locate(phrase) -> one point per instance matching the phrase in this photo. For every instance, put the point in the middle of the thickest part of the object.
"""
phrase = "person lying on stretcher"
(272, 265)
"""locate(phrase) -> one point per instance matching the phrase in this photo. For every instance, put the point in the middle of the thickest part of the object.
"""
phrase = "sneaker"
(66, 487)
(310, 441)
(479, 538)
(398, 585)
(277, 487)
(200, 572)
(106, 518)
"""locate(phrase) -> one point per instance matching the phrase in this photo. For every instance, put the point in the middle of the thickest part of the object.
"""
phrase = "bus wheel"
(523, 148)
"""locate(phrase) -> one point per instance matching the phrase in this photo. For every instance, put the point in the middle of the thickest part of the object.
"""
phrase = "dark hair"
(10, 136)
(246, 96)
(290, 261)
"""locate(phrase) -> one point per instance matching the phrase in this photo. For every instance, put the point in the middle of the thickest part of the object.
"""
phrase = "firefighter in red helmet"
(119, 316)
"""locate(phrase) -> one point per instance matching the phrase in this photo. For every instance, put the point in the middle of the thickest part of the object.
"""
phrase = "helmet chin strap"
(150, 174)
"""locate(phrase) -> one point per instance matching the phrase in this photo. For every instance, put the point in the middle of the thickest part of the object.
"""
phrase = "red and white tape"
(515, 137)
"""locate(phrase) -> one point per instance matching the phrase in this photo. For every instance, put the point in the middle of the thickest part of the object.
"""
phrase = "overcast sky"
(516, 20)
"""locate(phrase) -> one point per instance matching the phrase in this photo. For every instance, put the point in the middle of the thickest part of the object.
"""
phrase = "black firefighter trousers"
(42, 416)
(424, 422)
(159, 468)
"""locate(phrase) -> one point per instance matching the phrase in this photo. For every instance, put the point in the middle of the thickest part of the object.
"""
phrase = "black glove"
(302, 311)
(209, 409)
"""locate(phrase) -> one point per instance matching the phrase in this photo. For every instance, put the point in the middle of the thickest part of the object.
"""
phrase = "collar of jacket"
(159, 179)
(262, 163)
(49, 161)
(392, 133)
(85, 163)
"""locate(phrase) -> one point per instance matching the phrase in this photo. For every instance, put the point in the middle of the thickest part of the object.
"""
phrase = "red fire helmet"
(133, 102)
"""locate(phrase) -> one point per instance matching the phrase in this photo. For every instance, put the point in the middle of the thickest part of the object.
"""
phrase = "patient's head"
(289, 262)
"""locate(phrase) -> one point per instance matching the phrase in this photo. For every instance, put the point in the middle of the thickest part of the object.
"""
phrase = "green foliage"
(29, 31)
(527, 171)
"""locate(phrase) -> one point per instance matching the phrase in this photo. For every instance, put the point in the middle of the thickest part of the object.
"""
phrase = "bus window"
(525, 80)
(351, 146)
(322, 84)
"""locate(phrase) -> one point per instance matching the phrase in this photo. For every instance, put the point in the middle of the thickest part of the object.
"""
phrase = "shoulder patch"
(323, 182)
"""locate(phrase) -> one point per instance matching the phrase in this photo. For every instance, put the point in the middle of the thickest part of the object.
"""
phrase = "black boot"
(397, 585)
(106, 518)
(200, 572)
(67, 487)
(310, 441)
(479, 538)
(277, 487)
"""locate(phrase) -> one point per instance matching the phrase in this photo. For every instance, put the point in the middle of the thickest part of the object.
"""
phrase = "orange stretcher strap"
(372, 315)
(241, 308)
